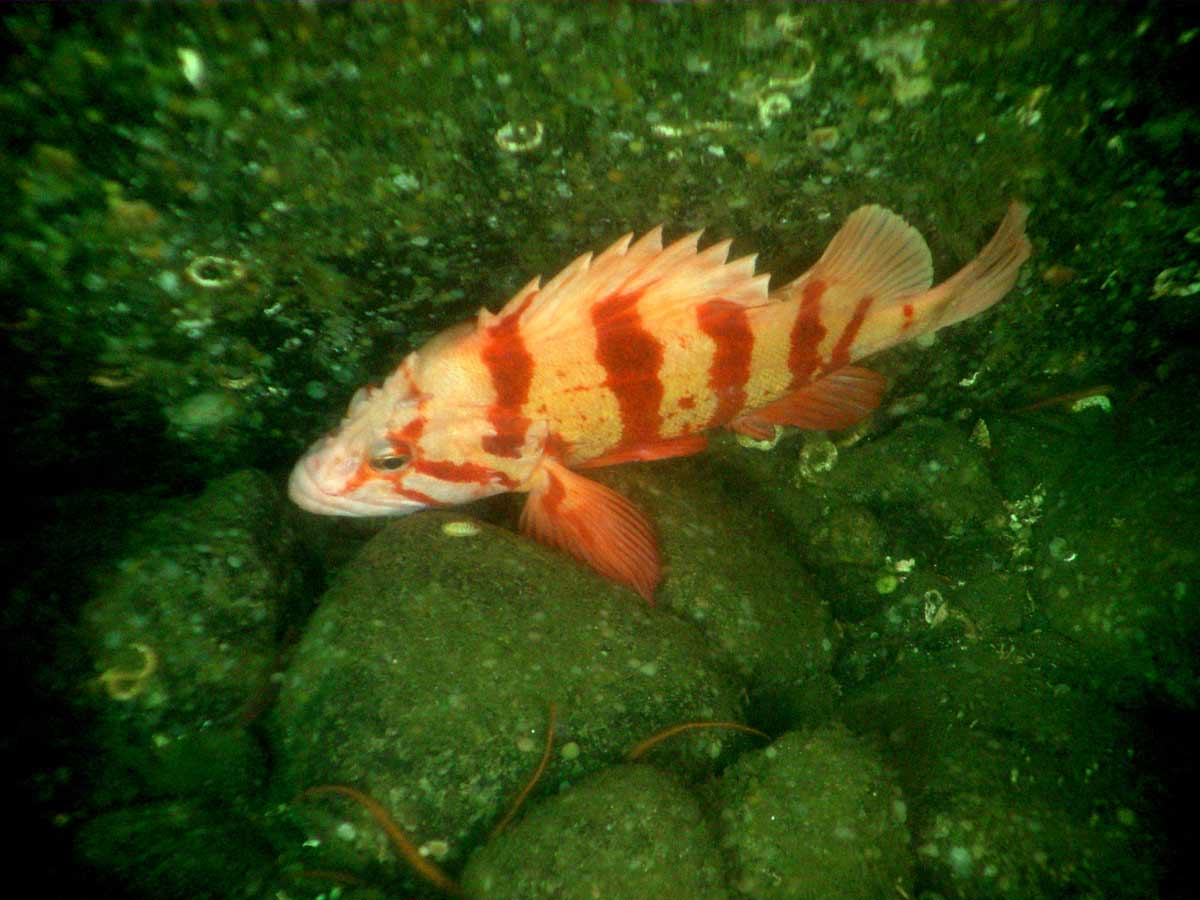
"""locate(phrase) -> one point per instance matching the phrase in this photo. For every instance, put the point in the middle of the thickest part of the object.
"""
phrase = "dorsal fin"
(671, 280)
(875, 253)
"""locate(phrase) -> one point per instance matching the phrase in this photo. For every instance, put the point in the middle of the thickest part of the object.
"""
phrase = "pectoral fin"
(838, 400)
(596, 525)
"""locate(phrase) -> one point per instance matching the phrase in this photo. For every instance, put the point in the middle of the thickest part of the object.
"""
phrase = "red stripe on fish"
(841, 350)
(510, 365)
(908, 316)
(729, 327)
(462, 473)
(554, 494)
(403, 439)
(632, 357)
(804, 356)
(415, 496)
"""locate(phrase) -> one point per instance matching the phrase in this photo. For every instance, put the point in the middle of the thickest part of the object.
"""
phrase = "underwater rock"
(912, 517)
(731, 568)
(426, 675)
(814, 815)
(1018, 783)
(184, 632)
(925, 476)
(629, 831)
(1114, 555)
(177, 849)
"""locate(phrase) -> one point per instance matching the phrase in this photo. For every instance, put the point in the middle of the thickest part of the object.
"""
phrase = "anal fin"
(594, 524)
(685, 445)
(838, 400)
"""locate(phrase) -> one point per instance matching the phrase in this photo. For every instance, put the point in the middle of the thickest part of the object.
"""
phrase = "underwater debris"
(461, 528)
(1024, 513)
(115, 378)
(203, 412)
(126, 684)
(191, 65)
(981, 436)
(214, 272)
(519, 801)
(901, 57)
(818, 455)
(825, 138)
(667, 131)
(657, 738)
(1029, 113)
(752, 443)
(1095, 396)
(426, 868)
(937, 610)
(773, 106)
(1177, 281)
(1057, 275)
(520, 137)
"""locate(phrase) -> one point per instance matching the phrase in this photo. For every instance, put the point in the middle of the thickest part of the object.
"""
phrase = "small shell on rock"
(520, 137)
(212, 272)
(818, 455)
(461, 528)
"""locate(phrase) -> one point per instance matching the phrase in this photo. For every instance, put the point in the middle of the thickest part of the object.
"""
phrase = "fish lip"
(306, 492)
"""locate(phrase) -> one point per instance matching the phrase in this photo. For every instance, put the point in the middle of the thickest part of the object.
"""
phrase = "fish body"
(632, 355)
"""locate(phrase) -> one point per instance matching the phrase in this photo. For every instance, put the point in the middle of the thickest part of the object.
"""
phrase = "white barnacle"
(773, 106)
(744, 440)
(818, 455)
(520, 137)
(212, 272)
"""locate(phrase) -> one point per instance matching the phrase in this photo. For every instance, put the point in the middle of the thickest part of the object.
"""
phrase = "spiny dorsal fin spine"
(670, 280)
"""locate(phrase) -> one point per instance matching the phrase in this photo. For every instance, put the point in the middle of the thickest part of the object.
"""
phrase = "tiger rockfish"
(632, 355)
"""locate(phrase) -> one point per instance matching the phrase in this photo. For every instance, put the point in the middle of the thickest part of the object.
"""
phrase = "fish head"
(400, 449)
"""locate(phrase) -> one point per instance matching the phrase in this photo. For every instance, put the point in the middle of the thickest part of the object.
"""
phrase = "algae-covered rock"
(814, 815)
(629, 831)
(177, 849)
(925, 478)
(184, 631)
(1112, 550)
(866, 517)
(731, 568)
(1018, 783)
(426, 676)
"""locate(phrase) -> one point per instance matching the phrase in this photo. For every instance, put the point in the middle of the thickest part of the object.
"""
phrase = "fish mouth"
(305, 490)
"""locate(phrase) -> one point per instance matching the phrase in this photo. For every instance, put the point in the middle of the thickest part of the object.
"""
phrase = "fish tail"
(982, 281)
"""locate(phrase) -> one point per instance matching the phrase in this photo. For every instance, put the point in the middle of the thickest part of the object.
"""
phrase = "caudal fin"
(982, 281)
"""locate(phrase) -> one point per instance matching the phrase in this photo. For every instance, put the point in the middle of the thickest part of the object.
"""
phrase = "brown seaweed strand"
(655, 739)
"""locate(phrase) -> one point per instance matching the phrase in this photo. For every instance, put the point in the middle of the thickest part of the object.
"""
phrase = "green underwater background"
(966, 630)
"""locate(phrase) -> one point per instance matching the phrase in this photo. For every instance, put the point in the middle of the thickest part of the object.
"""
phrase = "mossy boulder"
(629, 831)
(732, 568)
(426, 676)
(1019, 783)
(814, 815)
(184, 631)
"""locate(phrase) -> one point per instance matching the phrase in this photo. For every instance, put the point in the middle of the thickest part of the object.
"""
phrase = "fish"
(632, 355)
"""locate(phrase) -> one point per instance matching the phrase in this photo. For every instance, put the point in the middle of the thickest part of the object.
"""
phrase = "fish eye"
(388, 463)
